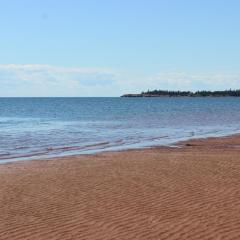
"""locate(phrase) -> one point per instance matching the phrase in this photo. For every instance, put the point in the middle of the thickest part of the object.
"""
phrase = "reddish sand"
(191, 192)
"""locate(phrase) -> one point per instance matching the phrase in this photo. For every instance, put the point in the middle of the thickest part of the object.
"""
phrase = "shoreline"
(187, 192)
(174, 144)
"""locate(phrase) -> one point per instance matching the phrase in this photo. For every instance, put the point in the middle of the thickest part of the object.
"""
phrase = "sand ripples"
(150, 194)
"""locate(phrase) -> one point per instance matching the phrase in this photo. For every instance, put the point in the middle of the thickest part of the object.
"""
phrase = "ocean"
(37, 128)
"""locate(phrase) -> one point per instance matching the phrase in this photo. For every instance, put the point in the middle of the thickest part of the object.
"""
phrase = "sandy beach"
(192, 192)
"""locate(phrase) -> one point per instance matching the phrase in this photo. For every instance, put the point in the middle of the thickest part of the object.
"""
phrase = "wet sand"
(192, 192)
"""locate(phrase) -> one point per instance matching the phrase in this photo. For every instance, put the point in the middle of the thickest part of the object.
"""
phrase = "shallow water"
(32, 128)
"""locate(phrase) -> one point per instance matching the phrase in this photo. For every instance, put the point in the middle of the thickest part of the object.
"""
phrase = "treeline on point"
(226, 93)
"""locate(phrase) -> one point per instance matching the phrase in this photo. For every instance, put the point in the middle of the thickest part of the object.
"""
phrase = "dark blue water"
(46, 127)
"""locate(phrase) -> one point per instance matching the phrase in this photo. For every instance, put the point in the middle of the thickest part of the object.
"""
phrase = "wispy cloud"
(47, 80)
(179, 81)
(186, 81)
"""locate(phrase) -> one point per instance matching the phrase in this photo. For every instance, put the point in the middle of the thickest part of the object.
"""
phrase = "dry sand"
(160, 193)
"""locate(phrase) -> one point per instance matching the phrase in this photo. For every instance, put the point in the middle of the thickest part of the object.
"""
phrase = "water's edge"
(174, 144)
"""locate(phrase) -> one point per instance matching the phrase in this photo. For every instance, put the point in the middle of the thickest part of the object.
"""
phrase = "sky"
(111, 47)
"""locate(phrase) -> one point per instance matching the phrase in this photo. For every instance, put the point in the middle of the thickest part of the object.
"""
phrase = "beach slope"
(192, 192)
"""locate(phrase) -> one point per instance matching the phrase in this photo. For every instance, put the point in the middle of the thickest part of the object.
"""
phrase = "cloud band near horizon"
(32, 80)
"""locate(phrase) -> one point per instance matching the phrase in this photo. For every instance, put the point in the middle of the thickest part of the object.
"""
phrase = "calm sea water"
(46, 127)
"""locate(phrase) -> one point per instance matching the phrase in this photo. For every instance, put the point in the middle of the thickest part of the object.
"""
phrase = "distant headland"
(166, 93)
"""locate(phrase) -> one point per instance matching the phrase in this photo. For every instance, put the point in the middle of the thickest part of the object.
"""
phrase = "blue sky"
(110, 47)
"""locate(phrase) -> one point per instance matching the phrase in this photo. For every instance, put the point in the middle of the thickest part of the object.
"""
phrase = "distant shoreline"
(166, 93)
